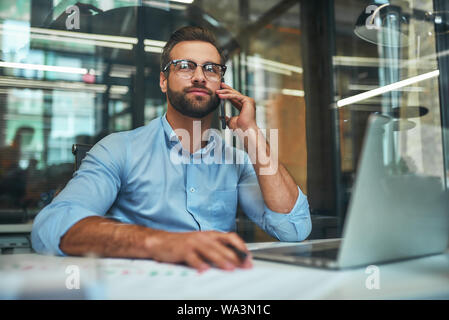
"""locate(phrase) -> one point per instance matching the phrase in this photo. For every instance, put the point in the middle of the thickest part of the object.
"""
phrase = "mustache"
(198, 87)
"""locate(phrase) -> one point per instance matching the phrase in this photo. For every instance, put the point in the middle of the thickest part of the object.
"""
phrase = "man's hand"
(246, 105)
(198, 249)
(109, 238)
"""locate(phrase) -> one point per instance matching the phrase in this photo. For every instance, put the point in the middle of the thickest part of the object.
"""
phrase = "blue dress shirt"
(136, 177)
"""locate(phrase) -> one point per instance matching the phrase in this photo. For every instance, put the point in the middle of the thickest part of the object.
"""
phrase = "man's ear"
(163, 82)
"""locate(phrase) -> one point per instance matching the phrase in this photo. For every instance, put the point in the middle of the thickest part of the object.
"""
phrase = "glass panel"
(386, 62)
(58, 86)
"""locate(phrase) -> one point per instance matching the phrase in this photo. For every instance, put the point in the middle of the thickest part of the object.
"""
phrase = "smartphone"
(222, 111)
(223, 119)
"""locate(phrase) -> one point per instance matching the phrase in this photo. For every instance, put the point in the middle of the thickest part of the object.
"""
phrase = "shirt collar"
(170, 136)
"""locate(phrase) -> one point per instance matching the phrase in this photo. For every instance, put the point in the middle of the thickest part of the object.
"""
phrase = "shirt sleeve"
(292, 227)
(91, 192)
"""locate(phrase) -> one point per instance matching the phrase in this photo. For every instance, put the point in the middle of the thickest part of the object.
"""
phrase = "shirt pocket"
(222, 207)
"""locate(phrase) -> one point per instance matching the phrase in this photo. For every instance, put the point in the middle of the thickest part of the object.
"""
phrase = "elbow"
(43, 234)
(293, 231)
(36, 240)
(300, 226)
(294, 226)
(304, 230)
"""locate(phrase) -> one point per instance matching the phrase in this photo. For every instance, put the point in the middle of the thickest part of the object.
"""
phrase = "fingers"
(224, 85)
(232, 95)
(234, 240)
(193, 260)
(219, 256)
(231, 122)
(235, 97)
(211, 249)
(200, 250)
(235, 102)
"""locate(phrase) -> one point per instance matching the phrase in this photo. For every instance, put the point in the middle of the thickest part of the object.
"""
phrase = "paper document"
(35, 275)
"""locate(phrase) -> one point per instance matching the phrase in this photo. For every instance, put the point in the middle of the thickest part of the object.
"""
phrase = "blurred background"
(72, 72)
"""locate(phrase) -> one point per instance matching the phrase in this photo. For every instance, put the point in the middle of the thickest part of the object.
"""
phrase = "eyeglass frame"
(222, 66)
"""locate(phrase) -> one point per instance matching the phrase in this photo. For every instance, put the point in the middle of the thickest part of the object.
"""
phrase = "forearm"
(108, 238)
(105, 237)
(278, 187)
(279, 191)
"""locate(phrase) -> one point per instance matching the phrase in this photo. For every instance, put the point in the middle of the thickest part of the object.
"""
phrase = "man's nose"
(198, 75)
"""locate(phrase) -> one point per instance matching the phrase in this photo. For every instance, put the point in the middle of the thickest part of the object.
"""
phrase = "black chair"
(79, 150)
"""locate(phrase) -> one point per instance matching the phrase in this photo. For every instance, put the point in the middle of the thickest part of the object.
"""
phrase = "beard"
(194, 107)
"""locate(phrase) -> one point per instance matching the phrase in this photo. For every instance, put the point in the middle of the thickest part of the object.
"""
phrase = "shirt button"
(192, 189)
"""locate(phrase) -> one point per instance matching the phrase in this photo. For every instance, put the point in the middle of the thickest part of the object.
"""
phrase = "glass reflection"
(390, 67)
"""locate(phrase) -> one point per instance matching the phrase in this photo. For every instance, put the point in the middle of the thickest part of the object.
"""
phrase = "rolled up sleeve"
(53, 222)
(91, 192)
(290, 227)
(293, 226)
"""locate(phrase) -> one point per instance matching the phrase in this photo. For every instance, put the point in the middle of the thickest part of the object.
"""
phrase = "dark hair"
(189, 34)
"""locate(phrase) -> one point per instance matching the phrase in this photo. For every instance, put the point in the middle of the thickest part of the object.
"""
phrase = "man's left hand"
(246, 105)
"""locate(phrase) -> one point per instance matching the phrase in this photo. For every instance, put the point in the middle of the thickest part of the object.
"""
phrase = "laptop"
(393, 214)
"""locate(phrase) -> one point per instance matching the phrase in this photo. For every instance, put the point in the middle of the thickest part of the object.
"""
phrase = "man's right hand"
(109, 238)
(198, 249)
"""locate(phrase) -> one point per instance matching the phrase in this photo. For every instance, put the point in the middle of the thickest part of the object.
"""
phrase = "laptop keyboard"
(327, 250)
(310, 252)
(330, 254)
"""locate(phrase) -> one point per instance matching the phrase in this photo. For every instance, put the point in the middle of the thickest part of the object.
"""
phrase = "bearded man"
(129, 199)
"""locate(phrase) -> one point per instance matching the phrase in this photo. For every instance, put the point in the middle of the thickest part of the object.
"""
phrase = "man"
(131, 198)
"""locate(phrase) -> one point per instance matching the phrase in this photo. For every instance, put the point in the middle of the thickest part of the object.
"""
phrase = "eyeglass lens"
(186, 69)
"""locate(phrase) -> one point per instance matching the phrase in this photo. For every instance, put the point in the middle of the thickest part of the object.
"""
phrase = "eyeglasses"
(186, 69)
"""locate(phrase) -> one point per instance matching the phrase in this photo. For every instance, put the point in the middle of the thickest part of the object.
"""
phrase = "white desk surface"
(33, 275)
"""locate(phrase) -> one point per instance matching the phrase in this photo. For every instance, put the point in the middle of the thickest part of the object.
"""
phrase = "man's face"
(193, 97)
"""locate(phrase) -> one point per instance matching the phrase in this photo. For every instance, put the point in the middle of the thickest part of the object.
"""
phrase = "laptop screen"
(399, 206)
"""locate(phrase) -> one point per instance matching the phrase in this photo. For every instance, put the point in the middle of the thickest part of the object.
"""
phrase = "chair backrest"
(79, 150)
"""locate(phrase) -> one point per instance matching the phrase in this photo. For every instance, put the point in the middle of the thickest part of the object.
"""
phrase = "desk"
(38, 276)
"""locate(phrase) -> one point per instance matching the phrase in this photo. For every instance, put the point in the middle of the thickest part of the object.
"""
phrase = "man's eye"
(211, 68)
(184, 65)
